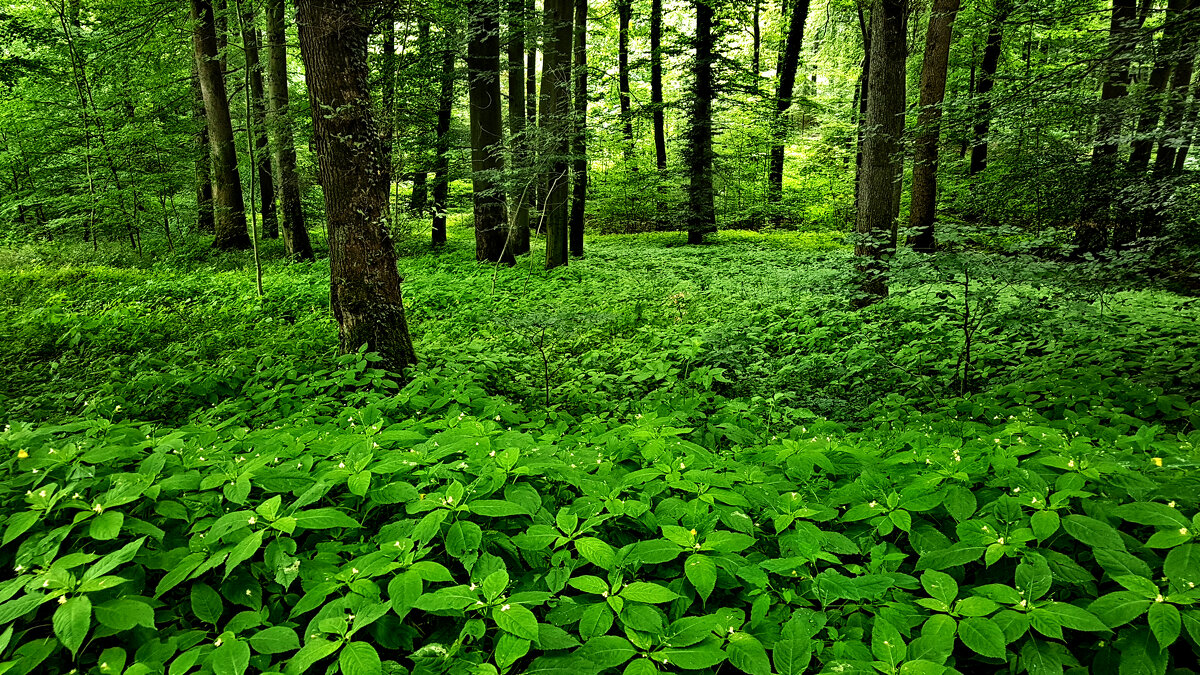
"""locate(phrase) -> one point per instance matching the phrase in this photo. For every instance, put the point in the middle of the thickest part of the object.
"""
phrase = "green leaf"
(936, 641)
(596, 620)
(206, 603)
(106, 526)
(403, 591)
(886, 643)
(959, 502)
(1140, 654)
(1120, 563)
(724, 541)
(597, 552)
(497, 508)
(1165, 623)
(976, 606)
(954, 556)
(704, 655)
(231, 658)
(940, 585)
(1151, 513)
(359, 658)
(275, 640)
(701, 571)
(179, 572)
(18, 525)
(1045, 524)
(1070, 616)
(516, 619)
(124, 613)
(642, 666)
(71, 622)
(509, 648)
(114, 560)
(324, 519)
(1033, 576)
(589, 584)
(1039, 657)
(1092, 532)
(552, 637)
(359, 484)
(643, 591)
(310, 653)
(791, 657)
(747, 654)
(1119, 608)
(462, 538)
(244, 550)
(1183, 564)
(983, 637)
(607, 651)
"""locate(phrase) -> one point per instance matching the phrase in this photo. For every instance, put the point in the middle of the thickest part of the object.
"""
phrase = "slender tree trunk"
(756, 59)
(702, 214)
(923, 208)
(387, 125)
(441, 163)
(579, 170)
(864, 90)
(295, 231)
(531, 92)
(204, 188)
(624, 14)
(487, 132)
(365, 289)
(1152, 105)
(987, 80)
(1121, 42)
(556, 124)
(783, 97)
(523, 191)
(228, 206)
(420, 191)
(1171, 138)
(262, 156)
(1189, 127)
(656, 85)
(878, 203)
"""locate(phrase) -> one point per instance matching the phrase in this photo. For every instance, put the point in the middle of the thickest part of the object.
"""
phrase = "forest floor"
(595, 419)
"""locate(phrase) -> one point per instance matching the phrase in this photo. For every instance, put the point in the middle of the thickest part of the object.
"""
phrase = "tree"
(556, 125)
(878, 205)
(789, 62)
(519, 155)
(702, 213)
(656, 85)
(364, 283)
(1123, 26)
(579, 169)
(441, 163)
(1152, 102)
(295, 232)
(204, 187)
(487, 131)
(987, 80)
(262, 157)
(1171, 136)
(624, 14)
(228, 206)
(420, 175)
(923, 208)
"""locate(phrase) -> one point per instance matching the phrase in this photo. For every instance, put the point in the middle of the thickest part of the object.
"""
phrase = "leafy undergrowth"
(660, 459)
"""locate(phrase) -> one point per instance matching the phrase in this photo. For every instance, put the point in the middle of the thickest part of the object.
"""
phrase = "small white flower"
(682, 466)
(248, 593)
(252, 520)
(1000, 540)
(353, 570)
(341, 465)
(1071, 464)
(505, 608)
(872, 504)
(350, 617)
(1023, 603)
(217, 643)
(1159, 598)
(1016, 490)
(97, 508)
(1183, 531)
(1171, 504)
(62, 599)
(18, 568)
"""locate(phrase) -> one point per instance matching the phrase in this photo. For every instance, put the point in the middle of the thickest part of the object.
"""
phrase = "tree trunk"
(923, 208)
(790, 62)
(624, 14)
(1189, 126)
(295, 231)
(987, 80)
(531, 93)
(878, 204)
(487, 131)
(1171, 138)
(228, 206)
(523, 191)
(1122, 30)
(204, 188)
(387, 126)
(420, 191)
(579, 170)
(702, 214)
(365, 289)
(1152, 105)
(864, 90)
(756, 58)
(656, 85)
(556, 124)
(441, 163)
(262, 156)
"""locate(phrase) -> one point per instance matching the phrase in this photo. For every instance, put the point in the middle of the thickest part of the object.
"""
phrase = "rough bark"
(579, 168)
(987, 81)
(1122, 28)
(878, 204)
(790, 62)
(1189, 127)
(624, 14)
(487, 131)
(262, 151)
(1152, 103)
(923, 208)
(204, 188)
(531, 93)
(441, 162)
(365, 291)
(701, 215)
(295, 231)
(420, 177)
(1171, 137)
(387, 97)
(519, 153)
(656, 85)
(862, 91)
(756, 45)
(556, 125)
(229, 208)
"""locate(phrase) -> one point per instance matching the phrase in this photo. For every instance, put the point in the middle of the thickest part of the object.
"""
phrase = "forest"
(577, 337)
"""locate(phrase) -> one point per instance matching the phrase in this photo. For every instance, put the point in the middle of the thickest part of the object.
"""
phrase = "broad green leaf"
(245, 549)
(1039, 657)
(274, 640)
(1092, 532)
(71, 622)
(403, 591)
(596, 552)
(1151, 513)
(359, 658)
(724, 541)
(701, 571)
(607, 651)
(1119, 563)
(497, 508)
(323, 519)
(179, 572)
(940, 585)
(462, 538)
(510, 648)
(886, 643)
(1045, 524)
(642, 591)
(124, 613)
(791, 657)
(117, 558)
(1070, 616)
(106, 526)
(206, 603)
(18, 525)
(1119, 608)
(1140, 654)
(516, 619)
(1183, 564)
(231, 658)
(982, 636)
(310, 653)
(596, 620)
(704, 655)
(552, 637)
(359, 484)
(747, 654)
(1033, 577)
(589, 584)
(1165, 623)
(936, 641)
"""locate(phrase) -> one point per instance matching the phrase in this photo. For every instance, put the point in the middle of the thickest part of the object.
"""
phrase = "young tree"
(1168, 49)
(702, 213)
(487, 132)
(228, 206)
(364, 283)
(295, 232)
(624, 14)
(519, 143)
(1170, 137)
(556, 125)
(441, 162)
(656, 85)
(987, 80)
(878, 205)
(1122, 29)
(579, 169)
(420, 175)
(923, 208)
(790, 62)
(262, 156)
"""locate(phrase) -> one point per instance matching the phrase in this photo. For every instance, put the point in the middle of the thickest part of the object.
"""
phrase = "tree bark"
(1171, 137)
(387, 126)
(702, 214)
(1122, 29)
(531, 93)
(878, 205)
(756, 29)
(228, 205)
(204, 188)
(420, 176)
(295, 231)
(987, 81)
(365, 289)
(262, 156)
(923, 208)
(790, 62)
(556, 124)
(522, 192)
(624, 14)
(1152, 105)
(656, 85)
(1189, 126)
(863, 91)
(579, 169)
(487, 132)
(441, 163)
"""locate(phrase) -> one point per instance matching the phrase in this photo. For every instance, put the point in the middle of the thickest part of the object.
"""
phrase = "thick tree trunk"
(204, 188)
(523, 191)
(441, 163)
(624, 14)
(387, 125)
(295, 231)
(656, 85)
(228, 206)
(878, 205)
(923, 208)
(365, 289)
(987, 81)
(1121, 42)
(1171, 137)
(556, 124)
(262, 152)
(702, 213)
(487, 131)
(1152, 104)
(783, 97)
(579, 169)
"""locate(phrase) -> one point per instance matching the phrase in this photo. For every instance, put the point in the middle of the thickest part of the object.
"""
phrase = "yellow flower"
(1157, 461)
(22, 454)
